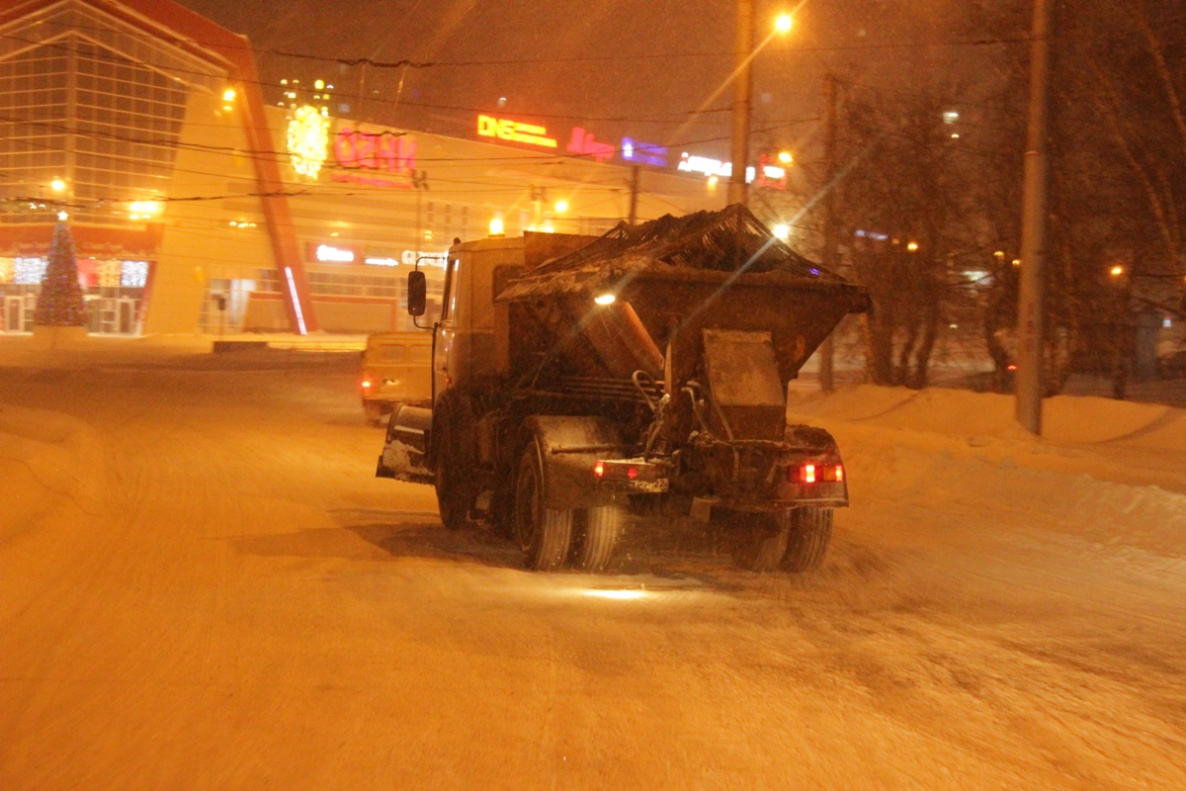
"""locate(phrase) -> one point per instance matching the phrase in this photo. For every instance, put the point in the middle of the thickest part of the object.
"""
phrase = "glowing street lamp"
(743, 90)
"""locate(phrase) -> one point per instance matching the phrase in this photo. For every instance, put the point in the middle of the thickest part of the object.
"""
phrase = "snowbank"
(1109, 472)
(48, 461)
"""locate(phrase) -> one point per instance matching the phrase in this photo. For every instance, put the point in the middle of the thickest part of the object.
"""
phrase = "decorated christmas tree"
(60, 303)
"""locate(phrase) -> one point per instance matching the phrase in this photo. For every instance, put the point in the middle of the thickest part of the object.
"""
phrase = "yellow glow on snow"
(616, 595)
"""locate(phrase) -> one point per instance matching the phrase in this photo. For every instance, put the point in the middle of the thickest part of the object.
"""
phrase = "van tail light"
(366, 384)
(814, 472)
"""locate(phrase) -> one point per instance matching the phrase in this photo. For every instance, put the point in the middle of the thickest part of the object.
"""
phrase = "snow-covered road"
(202, 586)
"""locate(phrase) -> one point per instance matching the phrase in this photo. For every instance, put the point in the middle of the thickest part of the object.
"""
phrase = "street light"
(743, 90)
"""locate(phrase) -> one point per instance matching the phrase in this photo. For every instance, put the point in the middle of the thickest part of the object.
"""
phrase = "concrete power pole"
(827, 351)
(1030, 314)
(634, 176)
(742, 89)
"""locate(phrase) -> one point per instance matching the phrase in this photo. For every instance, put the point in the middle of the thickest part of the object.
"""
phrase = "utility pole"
(831, 228)
(634, 170)
(1030, 314)
(742, 89)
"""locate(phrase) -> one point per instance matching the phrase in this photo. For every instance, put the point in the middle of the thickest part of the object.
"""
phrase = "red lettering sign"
(582, 142)
(385, 151)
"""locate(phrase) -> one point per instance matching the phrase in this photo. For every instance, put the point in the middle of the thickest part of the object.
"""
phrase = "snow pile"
(48, 461)
(1109, 472)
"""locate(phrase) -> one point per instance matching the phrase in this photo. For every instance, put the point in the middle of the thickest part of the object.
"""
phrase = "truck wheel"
(594, 546)
(765, 543)
(810, 529)
(452, 470)
(374, 414)
(543, 533)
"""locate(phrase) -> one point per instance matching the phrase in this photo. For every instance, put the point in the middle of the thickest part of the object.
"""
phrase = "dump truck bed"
(669, 280)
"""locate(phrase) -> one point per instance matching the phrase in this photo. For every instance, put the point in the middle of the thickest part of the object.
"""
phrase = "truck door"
(446, 332)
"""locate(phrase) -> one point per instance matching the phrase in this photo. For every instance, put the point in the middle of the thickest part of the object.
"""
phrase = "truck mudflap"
(571, 447)
(405, 446)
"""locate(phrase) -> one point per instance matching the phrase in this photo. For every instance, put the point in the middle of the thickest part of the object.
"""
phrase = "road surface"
(224, 597)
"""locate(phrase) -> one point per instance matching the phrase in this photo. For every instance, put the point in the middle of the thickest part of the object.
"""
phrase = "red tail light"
(366, 383)
(813, 472)
(599, 469)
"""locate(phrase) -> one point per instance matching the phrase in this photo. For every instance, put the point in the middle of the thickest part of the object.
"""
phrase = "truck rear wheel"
(544, 534)
(765, 542)
(809, 530)
(594, 545)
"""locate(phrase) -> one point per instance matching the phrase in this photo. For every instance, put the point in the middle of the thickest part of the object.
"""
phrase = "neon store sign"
(409, 258)
(582, 142)
(770, 176)
(514, 131)
(644, 153)
(372, 157)
(307, 137)
(331, 254)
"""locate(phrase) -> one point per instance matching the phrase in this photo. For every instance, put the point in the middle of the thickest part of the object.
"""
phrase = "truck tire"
(453, 466)
(765, 542)
(374, 414)
(809, 530)
(544, 534)
(594, 545)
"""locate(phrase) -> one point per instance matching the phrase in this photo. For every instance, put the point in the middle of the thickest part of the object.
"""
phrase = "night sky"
(634, 68)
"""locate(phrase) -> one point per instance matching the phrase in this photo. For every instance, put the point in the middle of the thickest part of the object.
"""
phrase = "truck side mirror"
(417, 293)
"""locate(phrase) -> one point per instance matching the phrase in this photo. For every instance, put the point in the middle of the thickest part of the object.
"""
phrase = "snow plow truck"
(584, 383)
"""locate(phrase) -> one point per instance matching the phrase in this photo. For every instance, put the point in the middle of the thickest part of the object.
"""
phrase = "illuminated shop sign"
(644, 153)
(772, 175)
(308, 139)
(408, 258)
(703, 165)
(331, 254)
(582, 142)
(364, 157)
(514, 131)
(373, 157)
(92, 272)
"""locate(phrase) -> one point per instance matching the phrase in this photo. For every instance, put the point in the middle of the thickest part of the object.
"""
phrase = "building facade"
(196, 207)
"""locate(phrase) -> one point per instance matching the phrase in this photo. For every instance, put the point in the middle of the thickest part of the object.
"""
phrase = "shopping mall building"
(197, 206)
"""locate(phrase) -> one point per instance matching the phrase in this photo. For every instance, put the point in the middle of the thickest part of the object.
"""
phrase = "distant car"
(396, 369)
(1172, 365)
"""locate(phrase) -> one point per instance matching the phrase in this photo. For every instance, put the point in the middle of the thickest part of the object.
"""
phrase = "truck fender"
(570, 447)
